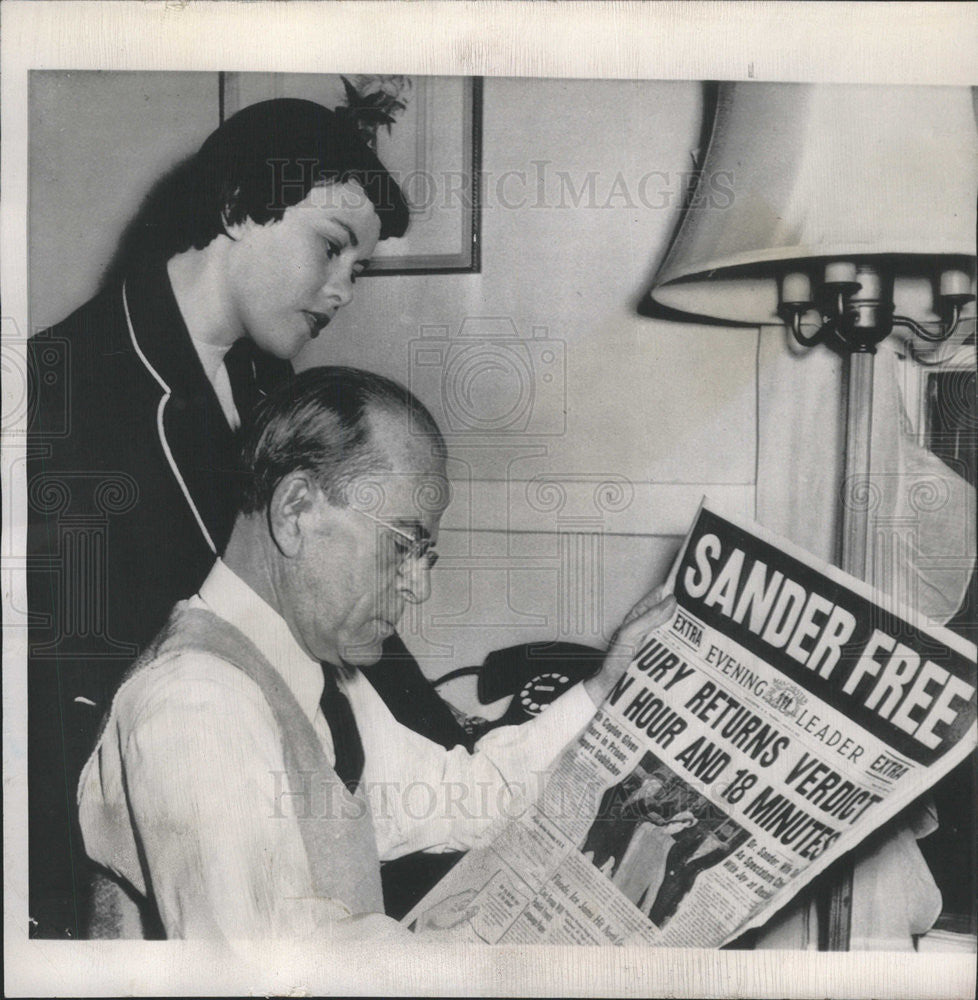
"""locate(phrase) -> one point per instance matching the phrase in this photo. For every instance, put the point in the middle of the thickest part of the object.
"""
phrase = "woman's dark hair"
(261, 161)
(319, 422)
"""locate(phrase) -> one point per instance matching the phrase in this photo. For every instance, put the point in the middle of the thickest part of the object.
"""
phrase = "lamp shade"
(813, 174)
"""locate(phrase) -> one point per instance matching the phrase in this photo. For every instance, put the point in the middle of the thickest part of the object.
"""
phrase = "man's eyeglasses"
(410, 549)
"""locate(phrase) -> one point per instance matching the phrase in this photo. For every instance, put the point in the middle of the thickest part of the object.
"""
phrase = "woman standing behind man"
(240, 257)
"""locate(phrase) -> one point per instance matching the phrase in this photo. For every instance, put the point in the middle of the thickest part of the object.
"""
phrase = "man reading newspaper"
(248, 779)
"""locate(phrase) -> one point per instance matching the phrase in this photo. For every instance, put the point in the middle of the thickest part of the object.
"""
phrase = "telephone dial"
(534, 674)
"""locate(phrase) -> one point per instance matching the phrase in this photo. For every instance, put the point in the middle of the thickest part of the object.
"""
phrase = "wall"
(98, 142)
(575, 503)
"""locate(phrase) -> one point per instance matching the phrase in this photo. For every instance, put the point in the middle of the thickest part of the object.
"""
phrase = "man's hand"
(651, 611)
(448, 913)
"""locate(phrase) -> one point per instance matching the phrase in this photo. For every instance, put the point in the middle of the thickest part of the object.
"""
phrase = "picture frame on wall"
(427, 130)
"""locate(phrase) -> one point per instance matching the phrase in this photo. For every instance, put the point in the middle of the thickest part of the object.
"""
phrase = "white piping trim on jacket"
(167, 392)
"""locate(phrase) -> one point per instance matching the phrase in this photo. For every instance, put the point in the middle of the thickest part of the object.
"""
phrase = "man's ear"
(293, 497)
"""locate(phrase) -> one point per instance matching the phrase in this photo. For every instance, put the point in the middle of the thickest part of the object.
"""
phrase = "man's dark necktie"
(346, 737)
(240, 364)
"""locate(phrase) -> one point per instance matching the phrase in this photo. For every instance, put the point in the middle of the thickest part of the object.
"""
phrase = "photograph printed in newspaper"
(782, 714)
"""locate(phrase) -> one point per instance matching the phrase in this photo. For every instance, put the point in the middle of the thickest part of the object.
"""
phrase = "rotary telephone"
(535, 674)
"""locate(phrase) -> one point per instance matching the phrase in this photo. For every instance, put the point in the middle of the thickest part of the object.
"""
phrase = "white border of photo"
(879, 43)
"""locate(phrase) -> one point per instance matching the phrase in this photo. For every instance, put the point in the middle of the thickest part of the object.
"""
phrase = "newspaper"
(783, 713)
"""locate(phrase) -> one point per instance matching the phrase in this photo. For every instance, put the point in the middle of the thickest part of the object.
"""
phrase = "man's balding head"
(341, 424)
(344, 487)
